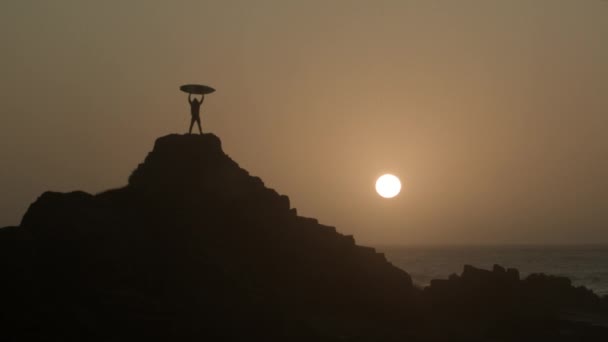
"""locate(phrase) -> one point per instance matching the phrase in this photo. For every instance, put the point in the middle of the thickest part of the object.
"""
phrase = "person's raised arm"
(202, 98)
(190, 98)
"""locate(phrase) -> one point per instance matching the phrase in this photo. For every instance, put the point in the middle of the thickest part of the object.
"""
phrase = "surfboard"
(196, 89)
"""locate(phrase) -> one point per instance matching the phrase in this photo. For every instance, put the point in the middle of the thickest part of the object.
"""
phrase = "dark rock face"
(502, 290)
(195, 248)
(501, 304)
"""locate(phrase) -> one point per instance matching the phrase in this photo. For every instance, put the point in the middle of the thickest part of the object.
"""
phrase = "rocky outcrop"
(502, 290)
(193, 246)
(499, 303)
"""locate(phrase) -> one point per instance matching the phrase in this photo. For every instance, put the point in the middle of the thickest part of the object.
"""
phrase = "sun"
(388, 186)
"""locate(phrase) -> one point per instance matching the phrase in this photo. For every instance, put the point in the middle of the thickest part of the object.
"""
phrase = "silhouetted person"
(195, 111)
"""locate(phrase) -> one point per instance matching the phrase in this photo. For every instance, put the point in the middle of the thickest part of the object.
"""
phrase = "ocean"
(584, 265)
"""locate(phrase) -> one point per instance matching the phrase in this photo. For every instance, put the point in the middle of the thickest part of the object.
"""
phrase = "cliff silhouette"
(195, 248)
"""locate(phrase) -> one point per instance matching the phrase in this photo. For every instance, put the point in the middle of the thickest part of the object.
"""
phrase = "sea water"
(584, 265)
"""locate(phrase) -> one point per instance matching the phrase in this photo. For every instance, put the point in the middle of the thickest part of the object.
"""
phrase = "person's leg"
(191, 124)
(198, 122)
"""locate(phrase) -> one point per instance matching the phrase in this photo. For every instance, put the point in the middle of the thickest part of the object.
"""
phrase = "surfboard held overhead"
(196, 89)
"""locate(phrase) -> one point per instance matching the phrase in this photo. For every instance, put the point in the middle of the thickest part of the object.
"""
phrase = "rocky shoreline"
(195, 248)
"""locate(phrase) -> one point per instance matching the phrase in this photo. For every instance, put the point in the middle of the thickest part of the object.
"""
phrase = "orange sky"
(493, 113)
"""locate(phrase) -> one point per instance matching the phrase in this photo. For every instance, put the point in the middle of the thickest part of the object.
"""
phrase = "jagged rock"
(194, 247)
(513, 274)
(500, 292)
(497, 269)
(557, 293)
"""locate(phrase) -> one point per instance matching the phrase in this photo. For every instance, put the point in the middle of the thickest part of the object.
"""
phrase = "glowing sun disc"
(388, 186)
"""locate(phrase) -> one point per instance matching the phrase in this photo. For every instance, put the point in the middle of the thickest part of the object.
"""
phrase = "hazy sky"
(493, 113)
